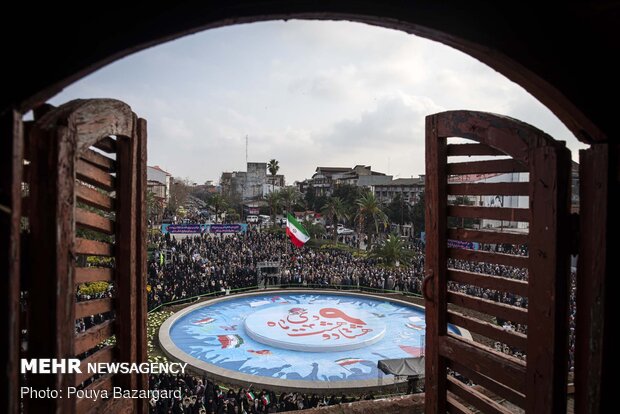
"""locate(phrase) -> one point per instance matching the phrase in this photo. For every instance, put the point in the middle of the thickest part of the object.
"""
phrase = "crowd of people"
(199, 395)
(207, 264)
(211, 265)
(216, 265)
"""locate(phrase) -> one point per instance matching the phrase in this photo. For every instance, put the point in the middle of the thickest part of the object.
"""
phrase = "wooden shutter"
(86, 223)
(470, 284)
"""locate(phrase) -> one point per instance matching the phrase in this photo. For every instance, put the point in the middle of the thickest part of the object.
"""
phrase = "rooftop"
(157, 167)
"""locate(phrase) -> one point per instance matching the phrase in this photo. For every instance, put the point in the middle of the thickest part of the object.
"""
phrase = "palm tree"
(392, 252)
(335, 210)
(368, 207)
(273, 199)
(218, 203)
(154, 207)
(314, 230)
(289, 196)
(273, 168)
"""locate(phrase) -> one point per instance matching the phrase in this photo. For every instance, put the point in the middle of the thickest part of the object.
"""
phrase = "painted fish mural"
(204, 321)
(260, 352)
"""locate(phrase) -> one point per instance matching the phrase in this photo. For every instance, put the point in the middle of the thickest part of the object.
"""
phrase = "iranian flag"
(266, 399)
(299, 236)
(250, 396)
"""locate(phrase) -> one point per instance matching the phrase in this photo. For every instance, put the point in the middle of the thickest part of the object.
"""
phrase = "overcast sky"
(305, 93)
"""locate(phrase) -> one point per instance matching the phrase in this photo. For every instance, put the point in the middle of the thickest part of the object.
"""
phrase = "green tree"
(399, 211)
(334, 210)
(232, 215)
(273, 200)
(369, 210)
(154, 207)
(313, 201)
(179, 192)
(289, 197)
(273, 167)
(218, 204)
(349, 194)
(392, 252)
(417, 215)
(314, 230)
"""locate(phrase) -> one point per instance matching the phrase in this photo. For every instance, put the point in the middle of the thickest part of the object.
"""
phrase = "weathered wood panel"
(92, 247)
(120, 406)
(105, 354)
(501, 367)
(93, 198)
(467, 150)
(66, 169)
(435, 265)
(141, 259)
(597, 187)
(489, 383)
(490, 330)
(52, 238)
(490, 307)
(93, 307)
(508, 135)
(99, 160)
(106, 144)
(475, 397)
(508, 214)
(488, 257)
(506, 189)
(547, 163)
(93, 274)
(456, 407)
(484, 236)
(126, 255)
(93, 336)
(94, 175)
(86, 405)
(11, 156)
(547, 348)
(486, 167)
(93, 221)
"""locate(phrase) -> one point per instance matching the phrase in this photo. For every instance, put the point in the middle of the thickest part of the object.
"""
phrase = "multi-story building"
(326, 178)
(252, 184)
(158, 182)
(409, 190)
(276, 181)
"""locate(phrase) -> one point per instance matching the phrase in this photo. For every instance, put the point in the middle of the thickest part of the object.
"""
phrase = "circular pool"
(296, 339)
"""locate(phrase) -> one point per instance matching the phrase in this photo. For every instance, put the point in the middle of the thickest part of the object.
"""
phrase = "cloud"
(305, 93)
(395, 121)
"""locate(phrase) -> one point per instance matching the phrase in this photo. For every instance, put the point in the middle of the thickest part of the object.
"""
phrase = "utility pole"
(246, 149)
